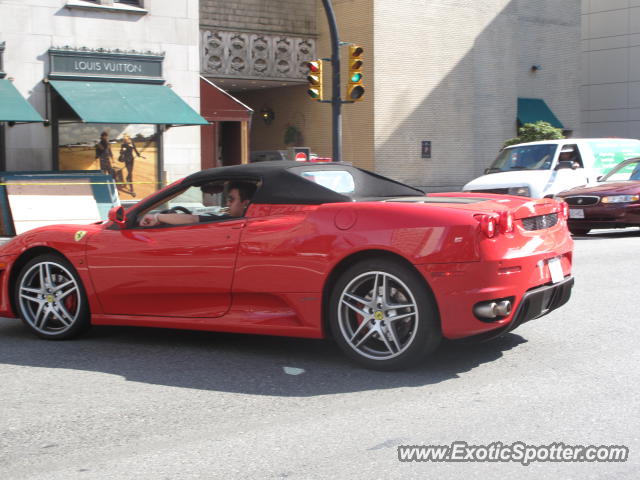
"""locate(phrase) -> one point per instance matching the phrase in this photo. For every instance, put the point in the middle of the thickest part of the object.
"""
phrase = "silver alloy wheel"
(378, 315)
(50, 299)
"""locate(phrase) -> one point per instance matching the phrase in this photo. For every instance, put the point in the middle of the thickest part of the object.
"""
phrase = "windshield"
(624, 171)
(530, 157)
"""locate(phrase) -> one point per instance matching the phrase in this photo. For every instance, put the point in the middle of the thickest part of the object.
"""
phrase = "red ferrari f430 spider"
(318, 250)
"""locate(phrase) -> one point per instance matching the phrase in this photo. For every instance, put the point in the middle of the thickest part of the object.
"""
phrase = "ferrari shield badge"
(80, 235)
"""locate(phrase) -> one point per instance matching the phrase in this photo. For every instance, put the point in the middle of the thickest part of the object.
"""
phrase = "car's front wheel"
(383, 316)
(50, 298)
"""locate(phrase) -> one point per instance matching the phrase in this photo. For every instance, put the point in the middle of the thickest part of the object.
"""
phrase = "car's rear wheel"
(50, 298)
(383, 316)
(579, 230)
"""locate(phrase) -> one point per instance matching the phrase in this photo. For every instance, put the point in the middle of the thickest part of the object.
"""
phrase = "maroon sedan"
(613, 203)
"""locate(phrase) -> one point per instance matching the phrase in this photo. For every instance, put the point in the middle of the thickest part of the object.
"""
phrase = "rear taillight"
(564, 210)
(488, 224)
(506, 222)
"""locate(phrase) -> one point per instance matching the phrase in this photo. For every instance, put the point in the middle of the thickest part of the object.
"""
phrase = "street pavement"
(125, 403)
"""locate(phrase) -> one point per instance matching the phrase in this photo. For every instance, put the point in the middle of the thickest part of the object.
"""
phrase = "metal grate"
(581, 201)
(540, 222)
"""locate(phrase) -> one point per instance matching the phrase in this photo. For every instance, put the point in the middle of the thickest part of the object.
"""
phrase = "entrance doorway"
(223, 144)
(225, 141)
(230, 143)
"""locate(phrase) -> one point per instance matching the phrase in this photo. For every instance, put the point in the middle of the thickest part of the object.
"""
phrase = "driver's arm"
(153, 219)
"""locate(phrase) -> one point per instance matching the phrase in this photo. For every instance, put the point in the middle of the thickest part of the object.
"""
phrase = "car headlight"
(620, 198)
(521, 191)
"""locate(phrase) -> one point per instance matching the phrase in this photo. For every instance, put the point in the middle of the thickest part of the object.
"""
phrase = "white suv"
(540, 169)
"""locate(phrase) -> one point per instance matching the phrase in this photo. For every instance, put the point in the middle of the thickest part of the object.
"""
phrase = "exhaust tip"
(503, 308)
(486, 310)
(493, 309)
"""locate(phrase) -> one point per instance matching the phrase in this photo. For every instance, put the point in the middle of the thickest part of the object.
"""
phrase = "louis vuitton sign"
(105, 65)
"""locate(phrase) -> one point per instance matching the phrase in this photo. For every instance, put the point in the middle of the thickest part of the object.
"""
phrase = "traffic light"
(315, 79)
(355, 89)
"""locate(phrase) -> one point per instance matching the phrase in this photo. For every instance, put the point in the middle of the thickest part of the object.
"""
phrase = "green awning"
(112, 102)
(13, 107)
(531, 110)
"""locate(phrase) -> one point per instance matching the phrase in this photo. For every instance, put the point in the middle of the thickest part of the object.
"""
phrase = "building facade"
(610, 95)
(442, 78)
(258, 52)
(107, 68)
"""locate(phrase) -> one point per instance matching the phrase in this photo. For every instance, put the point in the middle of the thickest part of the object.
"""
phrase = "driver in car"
(238, 200)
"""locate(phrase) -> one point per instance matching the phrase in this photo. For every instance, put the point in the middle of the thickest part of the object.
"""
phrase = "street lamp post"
(336, 101)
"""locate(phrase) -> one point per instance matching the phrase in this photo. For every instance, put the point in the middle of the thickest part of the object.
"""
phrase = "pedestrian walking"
(104, 155)
(127, 150)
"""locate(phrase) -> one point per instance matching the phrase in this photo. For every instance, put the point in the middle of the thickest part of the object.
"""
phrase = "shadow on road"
(232, 363)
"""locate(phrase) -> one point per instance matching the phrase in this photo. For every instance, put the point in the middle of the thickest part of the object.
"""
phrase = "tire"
(396, 329)
(579, 230)
(50, 298)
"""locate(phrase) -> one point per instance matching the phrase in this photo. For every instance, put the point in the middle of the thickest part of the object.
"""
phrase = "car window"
(339, 181)
(529, 157)
(201, 199)
(571, 153)
(622, 173)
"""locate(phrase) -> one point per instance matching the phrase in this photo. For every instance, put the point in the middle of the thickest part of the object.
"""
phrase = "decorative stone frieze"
(255, 55)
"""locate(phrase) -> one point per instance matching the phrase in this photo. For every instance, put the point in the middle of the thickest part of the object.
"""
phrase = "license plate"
(555, 269)
(576, 213)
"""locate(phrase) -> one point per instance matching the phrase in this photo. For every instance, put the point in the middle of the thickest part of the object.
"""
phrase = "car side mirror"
(117, 216)
(564, 164)
(599, 178)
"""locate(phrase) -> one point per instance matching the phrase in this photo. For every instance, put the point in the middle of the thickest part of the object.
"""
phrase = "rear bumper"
(607, 216)
(603, 223)
(526, 280)
(535, 303)
(539, 301)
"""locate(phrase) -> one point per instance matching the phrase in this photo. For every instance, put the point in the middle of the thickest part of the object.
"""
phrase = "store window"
(133, 3)
(128, 152)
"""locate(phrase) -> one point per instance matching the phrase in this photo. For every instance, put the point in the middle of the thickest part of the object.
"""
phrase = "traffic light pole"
(336, 101)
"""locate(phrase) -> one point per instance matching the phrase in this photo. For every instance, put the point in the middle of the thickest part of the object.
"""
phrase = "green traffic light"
(313, 93)
(356, 77)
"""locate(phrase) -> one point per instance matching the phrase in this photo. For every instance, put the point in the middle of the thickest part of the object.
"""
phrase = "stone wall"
(267, 16)
(452, 75)
(611, 68)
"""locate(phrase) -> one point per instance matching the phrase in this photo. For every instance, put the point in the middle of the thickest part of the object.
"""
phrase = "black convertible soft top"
(282, 183)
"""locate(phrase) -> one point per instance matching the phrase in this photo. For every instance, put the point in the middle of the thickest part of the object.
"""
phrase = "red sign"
(301, 157)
